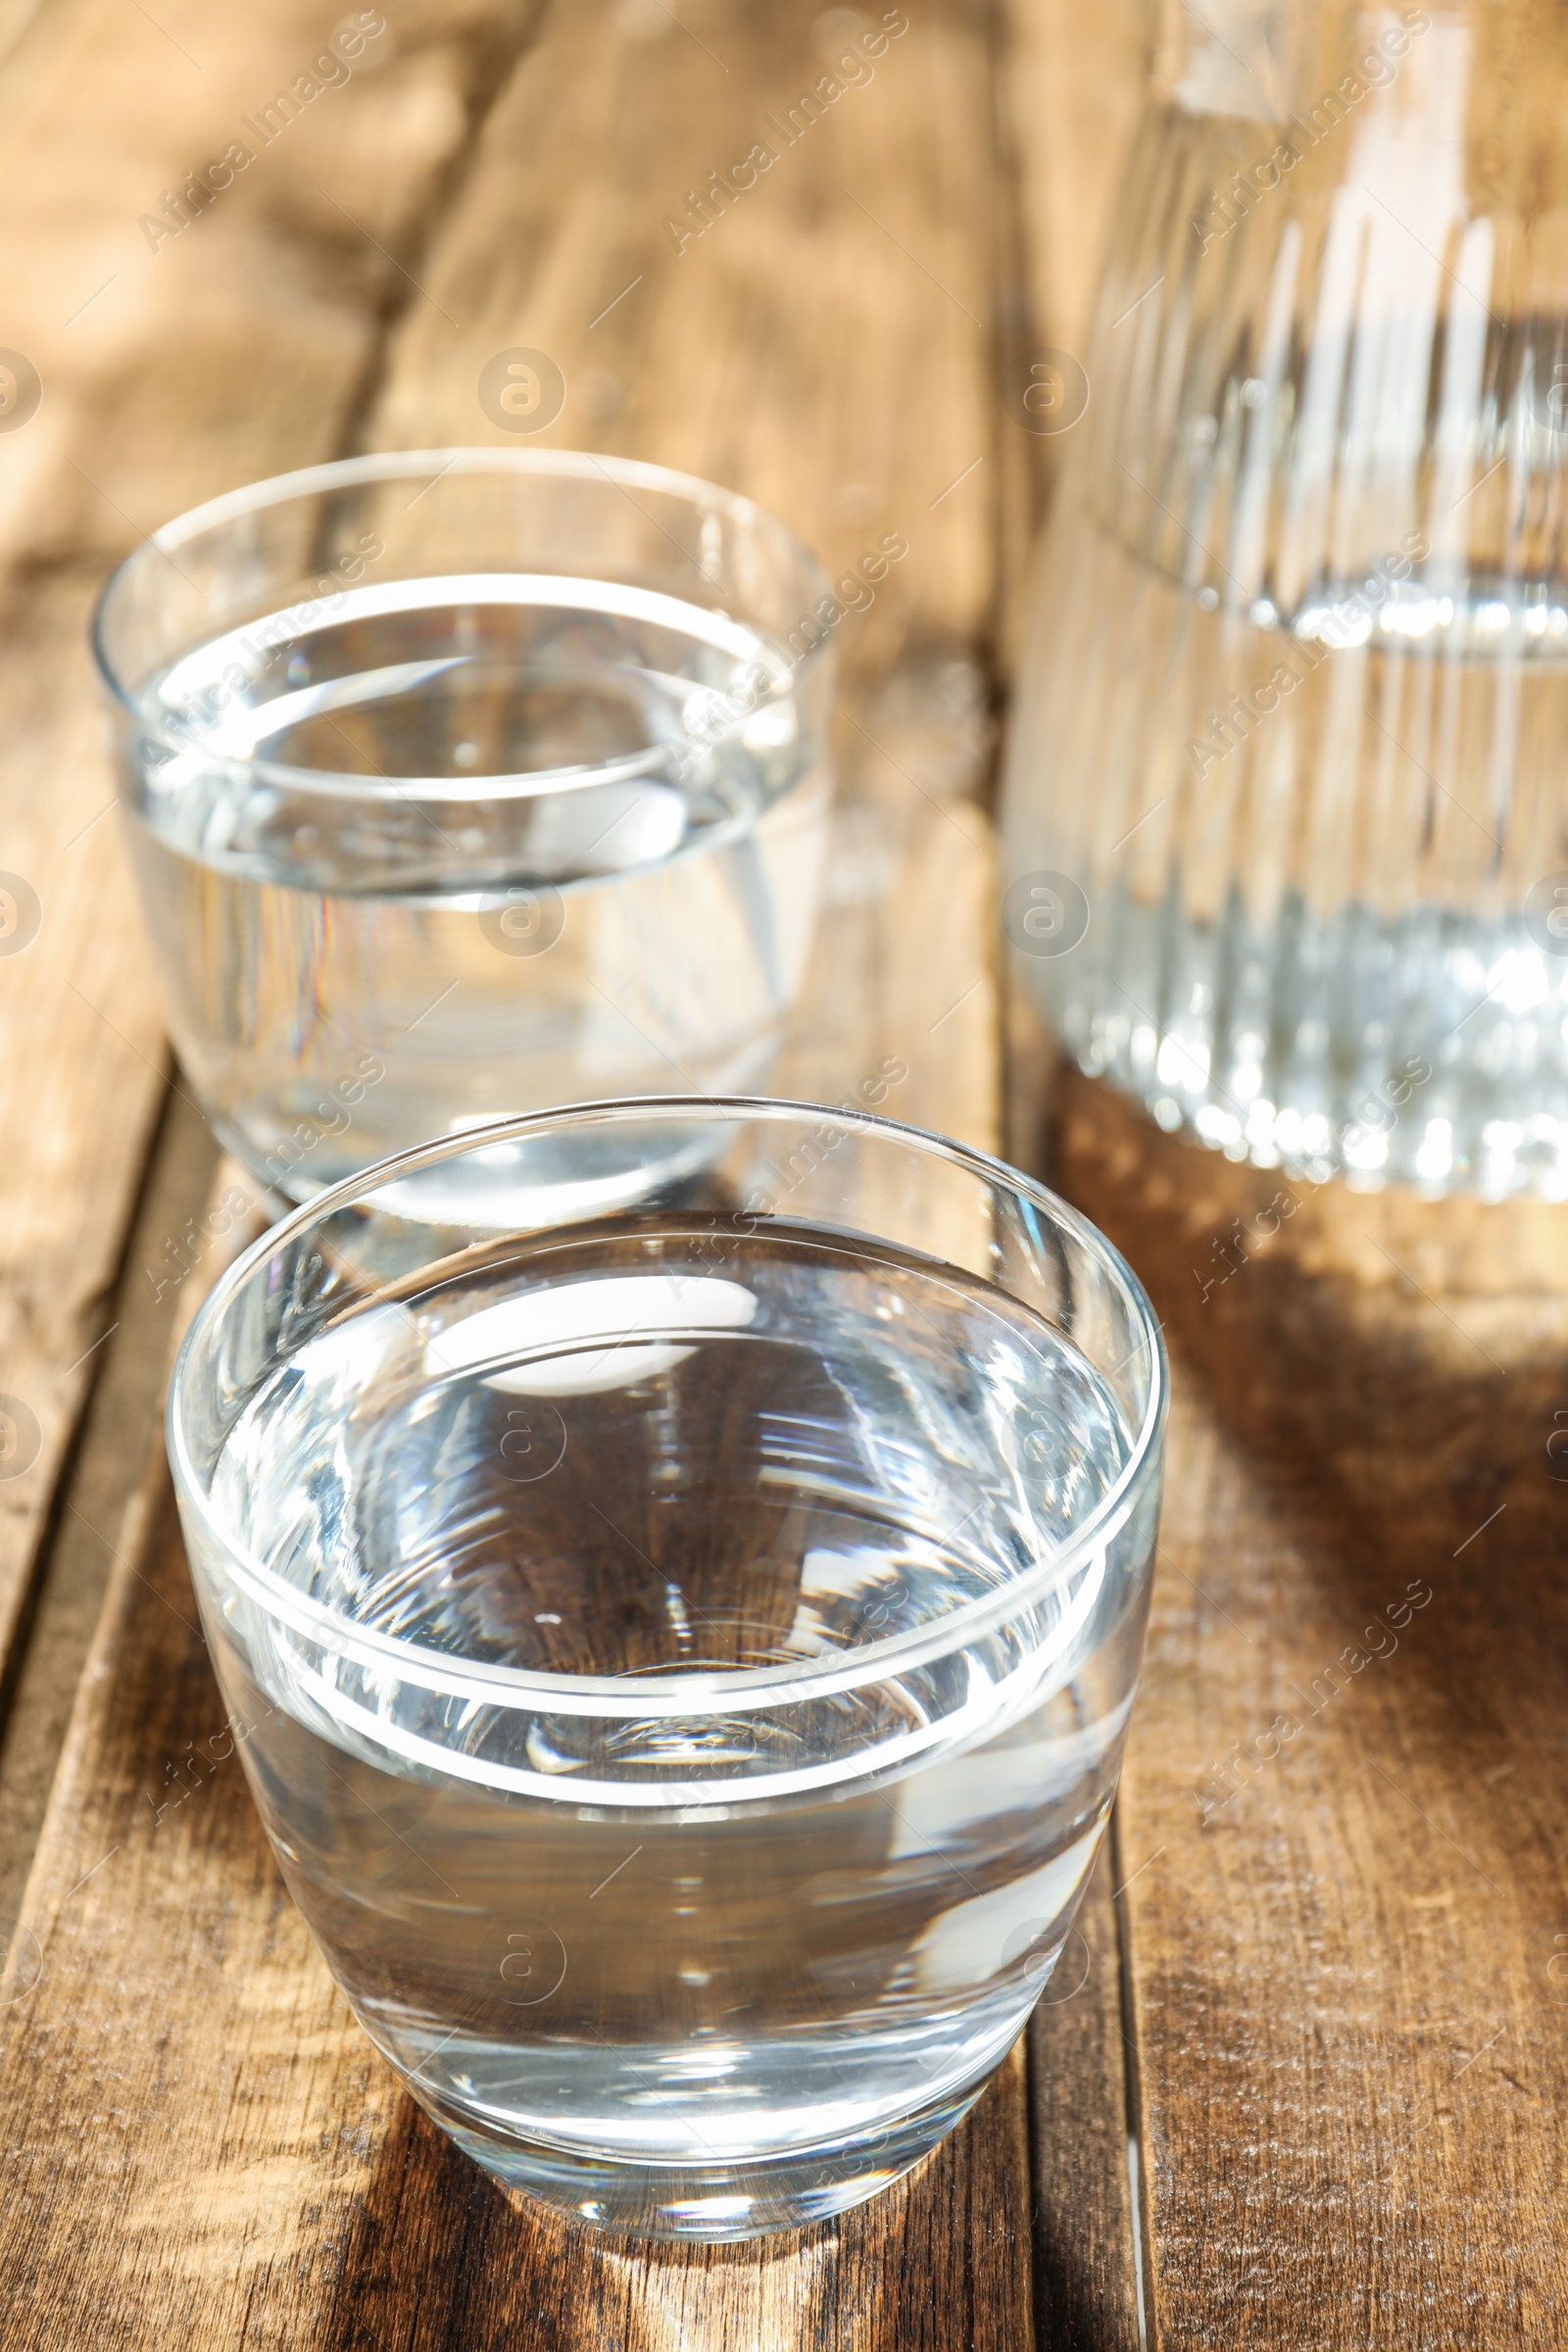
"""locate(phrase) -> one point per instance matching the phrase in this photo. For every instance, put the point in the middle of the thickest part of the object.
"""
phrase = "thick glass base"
(508, 1185)
(717, 2202)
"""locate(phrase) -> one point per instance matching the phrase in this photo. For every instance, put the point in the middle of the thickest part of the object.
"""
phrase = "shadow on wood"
(1406, 1360)
(1344, 1878)
(438, 2255)
(1086, 2296)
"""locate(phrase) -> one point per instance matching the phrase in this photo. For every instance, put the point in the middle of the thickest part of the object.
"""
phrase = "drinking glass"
(1286, 807)
(461, 783)
(682, 1656)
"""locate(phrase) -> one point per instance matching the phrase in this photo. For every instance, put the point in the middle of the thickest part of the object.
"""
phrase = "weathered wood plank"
(82, 1068)
(820, 345)
(119, 1428)
(1343, 1800)
(231, 350)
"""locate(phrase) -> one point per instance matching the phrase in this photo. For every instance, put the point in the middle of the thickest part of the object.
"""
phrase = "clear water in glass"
(697, 1973)
(465, 846)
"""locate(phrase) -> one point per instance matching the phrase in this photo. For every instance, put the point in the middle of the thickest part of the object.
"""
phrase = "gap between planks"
(119, 1430)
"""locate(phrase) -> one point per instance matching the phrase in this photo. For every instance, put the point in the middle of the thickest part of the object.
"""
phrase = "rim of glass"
(342, 474)
(677, 1692)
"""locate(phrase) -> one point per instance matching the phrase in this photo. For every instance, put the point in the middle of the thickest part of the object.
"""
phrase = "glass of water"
(461, 783)
(682, 1656)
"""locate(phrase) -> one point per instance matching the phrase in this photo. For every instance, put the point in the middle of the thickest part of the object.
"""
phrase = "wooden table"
(1309, 2089)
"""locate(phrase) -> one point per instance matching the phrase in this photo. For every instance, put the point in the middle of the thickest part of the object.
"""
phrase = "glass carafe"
(1286, 803)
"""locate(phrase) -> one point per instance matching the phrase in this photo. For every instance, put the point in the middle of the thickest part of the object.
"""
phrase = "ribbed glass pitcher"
(1286, 806)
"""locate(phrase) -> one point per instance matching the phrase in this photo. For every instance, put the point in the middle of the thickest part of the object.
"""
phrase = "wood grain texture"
(120, 1427)
(821, 346)
(177, 365)
(82, 1067)
(1072, 84)
(1342, 1798)
(150, 401)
